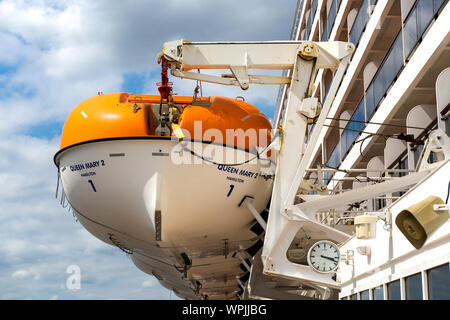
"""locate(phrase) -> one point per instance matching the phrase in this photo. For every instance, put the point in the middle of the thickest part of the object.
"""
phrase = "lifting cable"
(369, 179)
(401, 136)
(378, 123)
(234, 164)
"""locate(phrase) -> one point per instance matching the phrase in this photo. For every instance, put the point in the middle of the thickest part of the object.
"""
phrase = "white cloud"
(56, 54)
(91, 244)
(150, 282)
(70, 50)
(22, 273)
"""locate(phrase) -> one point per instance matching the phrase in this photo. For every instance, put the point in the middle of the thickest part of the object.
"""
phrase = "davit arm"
(302, 59)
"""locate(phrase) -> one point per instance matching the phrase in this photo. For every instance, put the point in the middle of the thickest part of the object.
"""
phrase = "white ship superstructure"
(394, 93)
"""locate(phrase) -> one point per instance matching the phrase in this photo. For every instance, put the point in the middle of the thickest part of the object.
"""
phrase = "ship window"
(417, 151)
(364, 295)
(432, 158)
(447, 126)
(418, 21)
(353, 297)
(353, 128)
(360, 22)
(403, 164)
(379, 204)
(370, 101)
(333, 162)
(414, 287)
(394, 290)
(439, 282)
(378, 293)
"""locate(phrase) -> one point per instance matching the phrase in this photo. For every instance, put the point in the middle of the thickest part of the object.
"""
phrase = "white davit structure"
(299, 246)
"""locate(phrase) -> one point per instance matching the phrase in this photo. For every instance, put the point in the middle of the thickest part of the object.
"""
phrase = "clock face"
(324, 256)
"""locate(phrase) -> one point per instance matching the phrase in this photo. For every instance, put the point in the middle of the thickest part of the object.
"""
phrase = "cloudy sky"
(53, 55)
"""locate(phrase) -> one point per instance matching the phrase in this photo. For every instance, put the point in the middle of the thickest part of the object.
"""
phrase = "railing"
(310, 20)
(416, 23)
(352, 129)
(308, 27)
(333, 162)
(335, 5)
(375, 92)
(361, 19)
(418, 20)
(298, 13)
(330, 20)
(385, 76)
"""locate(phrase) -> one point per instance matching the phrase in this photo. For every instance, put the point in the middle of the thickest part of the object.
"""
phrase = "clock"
(323, 256)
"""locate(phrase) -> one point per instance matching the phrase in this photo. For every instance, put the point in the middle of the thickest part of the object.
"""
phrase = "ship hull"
(160, 198)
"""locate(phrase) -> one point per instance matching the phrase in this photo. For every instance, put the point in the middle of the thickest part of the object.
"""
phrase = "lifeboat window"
(413, 285)
(439, 282)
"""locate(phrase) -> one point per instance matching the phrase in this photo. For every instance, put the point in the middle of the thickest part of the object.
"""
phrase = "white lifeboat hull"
(152, 198)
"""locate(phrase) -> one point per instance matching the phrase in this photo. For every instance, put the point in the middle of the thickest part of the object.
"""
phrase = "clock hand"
(329, 258)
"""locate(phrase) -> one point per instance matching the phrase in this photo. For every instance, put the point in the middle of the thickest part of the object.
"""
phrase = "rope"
(233, 164)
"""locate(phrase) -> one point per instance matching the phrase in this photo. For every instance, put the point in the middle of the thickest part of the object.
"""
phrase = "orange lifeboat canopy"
(220, 120)
(227, 121)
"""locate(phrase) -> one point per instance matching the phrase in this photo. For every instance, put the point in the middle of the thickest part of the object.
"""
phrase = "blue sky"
(53, 55)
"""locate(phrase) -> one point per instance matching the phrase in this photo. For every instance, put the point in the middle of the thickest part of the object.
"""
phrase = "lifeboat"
(165, 181)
